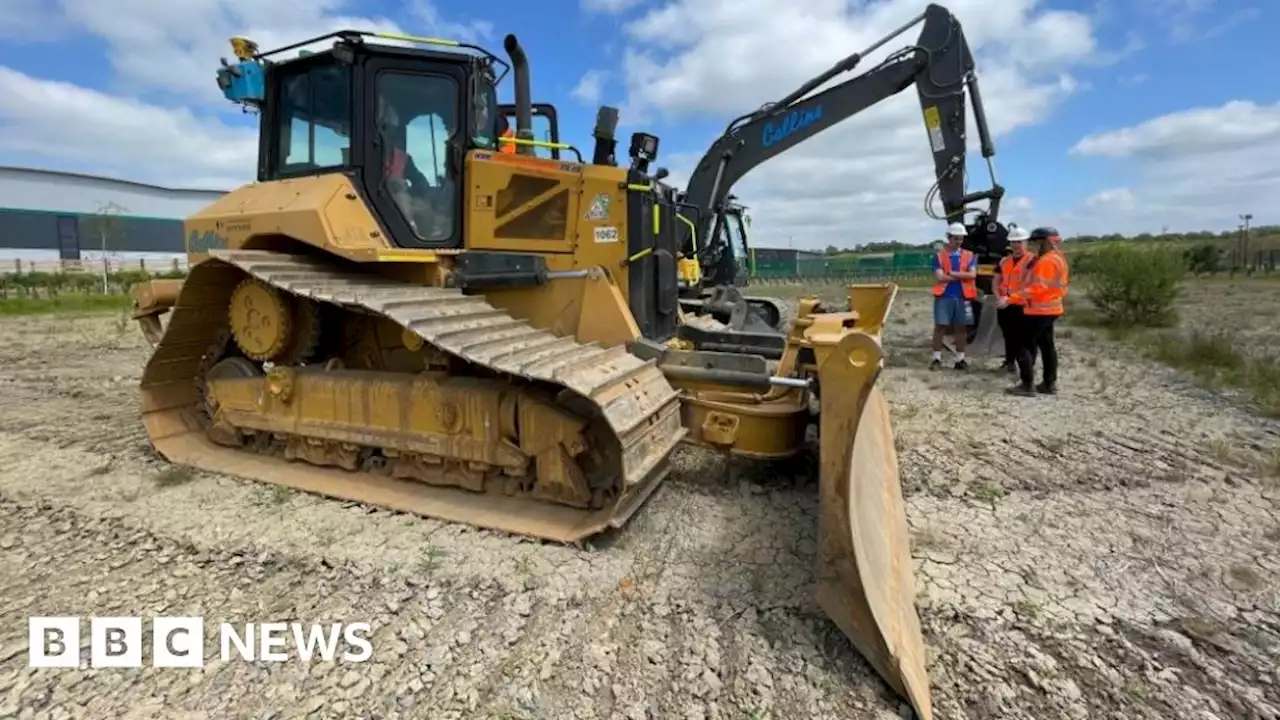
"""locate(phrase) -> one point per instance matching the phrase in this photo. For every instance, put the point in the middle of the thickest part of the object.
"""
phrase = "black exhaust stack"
(524, 102)
(605, 135)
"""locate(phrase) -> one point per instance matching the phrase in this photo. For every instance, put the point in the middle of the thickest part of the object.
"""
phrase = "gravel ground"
(1112, 552)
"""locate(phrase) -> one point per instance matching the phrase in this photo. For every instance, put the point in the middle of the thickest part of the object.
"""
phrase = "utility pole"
(1244, 239)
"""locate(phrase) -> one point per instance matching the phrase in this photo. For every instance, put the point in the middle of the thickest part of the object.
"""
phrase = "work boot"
(1044, 389)
(962, 365)
(935, 365)
(1020, 389)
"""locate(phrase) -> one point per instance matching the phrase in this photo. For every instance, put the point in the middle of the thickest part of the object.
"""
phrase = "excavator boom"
(942, 69)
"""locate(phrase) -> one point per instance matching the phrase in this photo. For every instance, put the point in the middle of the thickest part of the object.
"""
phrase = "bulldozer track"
(629, 394)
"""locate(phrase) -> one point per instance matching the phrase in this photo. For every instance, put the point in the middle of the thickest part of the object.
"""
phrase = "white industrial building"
(47, 216)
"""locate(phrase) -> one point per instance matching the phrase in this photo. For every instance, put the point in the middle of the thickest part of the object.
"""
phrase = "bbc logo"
(115, 642)
(178, 642)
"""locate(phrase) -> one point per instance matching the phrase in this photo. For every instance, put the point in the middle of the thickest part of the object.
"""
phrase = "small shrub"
(1204, 258)
(1135, 286)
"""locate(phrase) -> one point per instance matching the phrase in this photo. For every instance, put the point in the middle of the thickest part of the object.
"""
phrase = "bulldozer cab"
(398, 121)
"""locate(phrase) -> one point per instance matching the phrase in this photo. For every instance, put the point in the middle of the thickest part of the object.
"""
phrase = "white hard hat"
(957, 229)
(1017, 234)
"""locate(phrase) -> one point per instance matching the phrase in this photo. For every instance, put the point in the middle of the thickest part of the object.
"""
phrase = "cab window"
(416, 123)
(314, 122)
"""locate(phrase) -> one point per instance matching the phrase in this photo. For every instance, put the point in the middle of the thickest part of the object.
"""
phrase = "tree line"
(1165, 237)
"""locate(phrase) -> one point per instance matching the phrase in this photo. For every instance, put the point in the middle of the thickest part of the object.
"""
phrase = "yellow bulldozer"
(421, 305)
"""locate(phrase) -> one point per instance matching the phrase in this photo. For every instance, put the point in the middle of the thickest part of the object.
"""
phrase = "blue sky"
(1125, 115)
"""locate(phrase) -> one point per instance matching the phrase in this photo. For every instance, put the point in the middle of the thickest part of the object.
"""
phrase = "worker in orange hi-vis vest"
(505, 131)
(955, 273)
(507, 147)
(1044, 288)
(1008, 280)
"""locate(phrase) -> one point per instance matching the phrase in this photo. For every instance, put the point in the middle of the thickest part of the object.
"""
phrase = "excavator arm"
(939, 64)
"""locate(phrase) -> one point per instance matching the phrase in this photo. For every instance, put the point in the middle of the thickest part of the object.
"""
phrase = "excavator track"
(623, 398)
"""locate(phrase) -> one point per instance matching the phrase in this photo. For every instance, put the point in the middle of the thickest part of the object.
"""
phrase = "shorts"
(951, 311)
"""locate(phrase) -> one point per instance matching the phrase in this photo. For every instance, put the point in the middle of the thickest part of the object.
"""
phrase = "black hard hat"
(1042, 233)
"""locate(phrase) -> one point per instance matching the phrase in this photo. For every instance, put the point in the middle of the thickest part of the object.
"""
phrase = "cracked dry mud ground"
(1124, 563)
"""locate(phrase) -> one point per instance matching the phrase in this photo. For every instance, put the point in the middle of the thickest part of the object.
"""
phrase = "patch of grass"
(429, 558)
(1136, 689)
(1222, 450)
(173, 476)
(270, 495)
(123, 322)
(526, 563)
(1270, 465)
(1027, 609)
(66, 303)
(989, 493)
(1214, 361)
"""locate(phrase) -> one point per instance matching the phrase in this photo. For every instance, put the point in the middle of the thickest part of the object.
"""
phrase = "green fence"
(782, 265)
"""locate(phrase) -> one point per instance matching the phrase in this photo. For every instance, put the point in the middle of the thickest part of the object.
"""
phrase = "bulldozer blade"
(865, 572)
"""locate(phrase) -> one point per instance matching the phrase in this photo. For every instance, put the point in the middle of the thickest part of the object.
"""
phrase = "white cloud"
(589, 88)
(864, 179)
(1196, 169)
(75, 128)
(1191, 20)
(1237, 124)
(173, 46)
(1111, 199)
(167, 51)
(610, 7)
(30, 21)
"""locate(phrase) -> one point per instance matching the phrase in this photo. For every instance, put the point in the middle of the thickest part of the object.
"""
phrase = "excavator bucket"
(988, 340)
(865, 571)
(872, 302)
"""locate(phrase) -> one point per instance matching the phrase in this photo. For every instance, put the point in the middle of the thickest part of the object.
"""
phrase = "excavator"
(397, 312)
(753, 138)
(723, 304)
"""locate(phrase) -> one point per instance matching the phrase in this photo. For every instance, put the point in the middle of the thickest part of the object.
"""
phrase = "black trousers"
(1038, 337)
(1010, 321)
